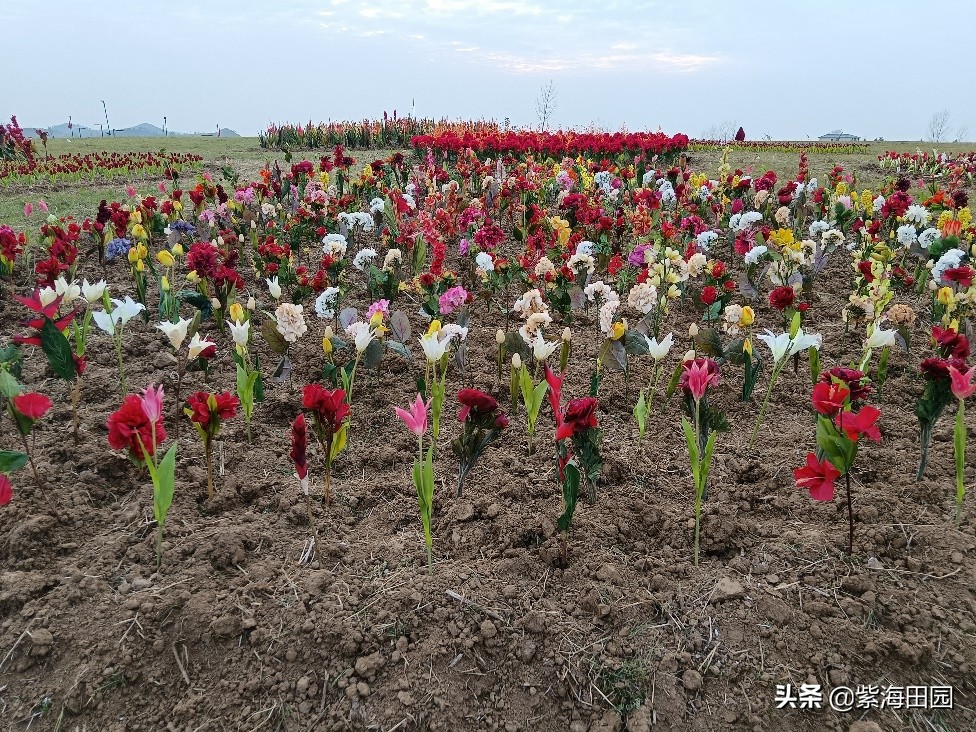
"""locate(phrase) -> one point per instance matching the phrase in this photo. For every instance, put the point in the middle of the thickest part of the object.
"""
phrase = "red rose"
(718, 269)
(803, 307)
(708, 294)
(475, 400)
(782, 297)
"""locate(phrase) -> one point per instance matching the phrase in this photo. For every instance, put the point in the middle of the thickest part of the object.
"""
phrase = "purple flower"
(463, 247)
(380, 306)
(636, 257)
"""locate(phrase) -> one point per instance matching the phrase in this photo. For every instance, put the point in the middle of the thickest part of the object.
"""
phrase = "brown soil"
(233, 633)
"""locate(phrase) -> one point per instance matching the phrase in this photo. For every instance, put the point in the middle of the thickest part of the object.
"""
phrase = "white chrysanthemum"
(753, 255)
(782, 216)
(878, 204)
(290, 321)
(268, 210)
(325, 303)
(917, 215)
(363, 258)
(730, 319)
(585, 247)
(377, 205)
(906, 234)
(643, 297)
(929, 237)
(544, 267)
(334, 245)
(484, 262)
(696, 265)
(602, 290)
(832, 237)
(578, 261)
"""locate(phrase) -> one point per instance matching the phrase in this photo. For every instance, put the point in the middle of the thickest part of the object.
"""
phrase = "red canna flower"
(818, 477)
(32, 405)
(129, 425)
(580, 415)
(299, 447)
(475, 400)
(863, 423)
(852, 380)
(829, 397)
(328, 409)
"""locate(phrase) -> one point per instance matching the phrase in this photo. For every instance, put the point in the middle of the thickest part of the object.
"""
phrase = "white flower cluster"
(358, 218)
(706, 239)
(929, 237)
(602, 180)
(325, 304)
(611, 301)
(334, 245)
(906, 235)
(642, 297)
(363, 258)
(484, 262)
(531, 307)
(544, 266)
(743, 221)
(949, 260)
(754, 254)
(290, 322)
(393, 258)
(377, 205)
(917, 215)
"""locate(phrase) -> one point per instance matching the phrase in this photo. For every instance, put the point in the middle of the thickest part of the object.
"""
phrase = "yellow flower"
(327, 345)
(192, 277)
(965, 217)
(141, 265)
(782, 238)
(747, 345)
(136, 216)
(617, 330)
(237, 313)
(376, 319)
(164, 283)
(177, 206)
(139, 232)
(747, 318)
(867, 199)
(324, 177)
(945, 295)
(561, 227)
(435, 327)
(178, 250)
(165, 258)
(841, 189)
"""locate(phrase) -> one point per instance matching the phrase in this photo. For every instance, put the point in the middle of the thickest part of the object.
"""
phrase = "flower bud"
(236, 313)
(689, 355)
(164, 283)
(499, 336)
(178, 250)
(165, 258)
(567, 334)
(516, 361)
(693, 331)
(251, 304)
(215, 303)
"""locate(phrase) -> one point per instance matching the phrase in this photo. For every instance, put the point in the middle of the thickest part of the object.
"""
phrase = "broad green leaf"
(339, 441)
(164, 484)
(274, 339)
(372, 355)
(9, 386)
(11, 461)
(571, 486)
(399, 349)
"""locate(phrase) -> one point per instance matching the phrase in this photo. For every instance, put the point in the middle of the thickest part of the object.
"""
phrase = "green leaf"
(399, 349)
(164, 484)
(618, 356)
(339, 440)
(274, 339)
(675, 378)
(709, 343)
(814, 355)
(9, 386)
(11, 461)
(635, 344)
(372, 355)
(58, 351)
(640, 414)
(571, 486)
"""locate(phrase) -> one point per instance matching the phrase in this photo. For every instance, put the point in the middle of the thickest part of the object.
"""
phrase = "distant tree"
(962, 133)
(939, 125)
(740, 135)
(545, 104)
(721, 132)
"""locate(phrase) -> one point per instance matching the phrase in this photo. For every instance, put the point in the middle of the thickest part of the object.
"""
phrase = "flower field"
(497, 430)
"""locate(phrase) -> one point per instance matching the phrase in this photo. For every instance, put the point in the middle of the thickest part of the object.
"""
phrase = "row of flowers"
(390, 132)
(570, 250)
(788, 146)
(551, 144)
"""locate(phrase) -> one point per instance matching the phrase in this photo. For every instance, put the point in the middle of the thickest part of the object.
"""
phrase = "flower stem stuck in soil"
(850, 516)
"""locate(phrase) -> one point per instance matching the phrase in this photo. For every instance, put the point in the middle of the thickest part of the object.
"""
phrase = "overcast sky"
(877, 68)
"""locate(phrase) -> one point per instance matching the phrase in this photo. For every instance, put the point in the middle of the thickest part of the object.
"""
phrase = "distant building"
(839, 136)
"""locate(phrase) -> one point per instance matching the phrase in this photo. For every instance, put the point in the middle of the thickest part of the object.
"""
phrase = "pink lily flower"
(699, 378)
(42, 204)
(962, 382)
(416, 417)
(28, 209)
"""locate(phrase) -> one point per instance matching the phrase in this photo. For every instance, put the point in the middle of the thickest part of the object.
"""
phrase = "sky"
(873, 68)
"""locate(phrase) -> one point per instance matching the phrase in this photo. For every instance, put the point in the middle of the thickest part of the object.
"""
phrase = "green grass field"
(246, 158)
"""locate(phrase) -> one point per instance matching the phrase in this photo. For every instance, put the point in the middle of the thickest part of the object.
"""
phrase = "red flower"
(852, 379)
(32, 405)
(782, 297)
(864, 267)
(818, 477)
(299, 446)
(475, 400)
(615, 264)
(207, 410)
(708, 294)
(6, 490)
(707, 374)
(829, 397)
(580, 415)
(328, 409)
(950, 342)
(129, 425)
(863, 423)
(962, 275)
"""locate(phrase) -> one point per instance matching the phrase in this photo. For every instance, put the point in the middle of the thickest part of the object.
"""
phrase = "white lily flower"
(93, 292)
(274, 288)
(240, 333)
(880, 338)
(782, 346)
(198, 345)
(803, 341)
(126, 310)
(176, 332)
(434, 347)
(452, 329)
(69, 291)
(659, 350)
(361, 333)
(104, 321)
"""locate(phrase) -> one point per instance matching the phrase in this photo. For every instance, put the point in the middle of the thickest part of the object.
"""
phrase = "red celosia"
(299, 446)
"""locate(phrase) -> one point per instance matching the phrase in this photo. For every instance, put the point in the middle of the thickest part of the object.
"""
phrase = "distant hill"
(144, 129)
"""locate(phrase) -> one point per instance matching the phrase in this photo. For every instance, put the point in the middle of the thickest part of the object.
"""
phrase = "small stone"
(302, 686)
(41, 639)
(363, 688)
(526, 651)
(874, 563)
(956, 557)
(465, 511)
(140, 584)
(405, 698)
(837, 676)
(727, 589)
(164, 360)
(488, 629)
(291, 655)
(862, 726)
(367, 666)
(691, 680)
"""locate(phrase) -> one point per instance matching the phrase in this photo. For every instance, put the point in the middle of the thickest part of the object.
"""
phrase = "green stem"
(118, 353)
(762, 410)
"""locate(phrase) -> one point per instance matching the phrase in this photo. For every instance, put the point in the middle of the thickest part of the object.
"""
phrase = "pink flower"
(41, 204)
(28, 209)
(453, 299)
(962, 382)
(416, 417)
(700, 374)
(380, 306)
(162, 188)
(152, 403)
(130, 191)
(6, 490)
